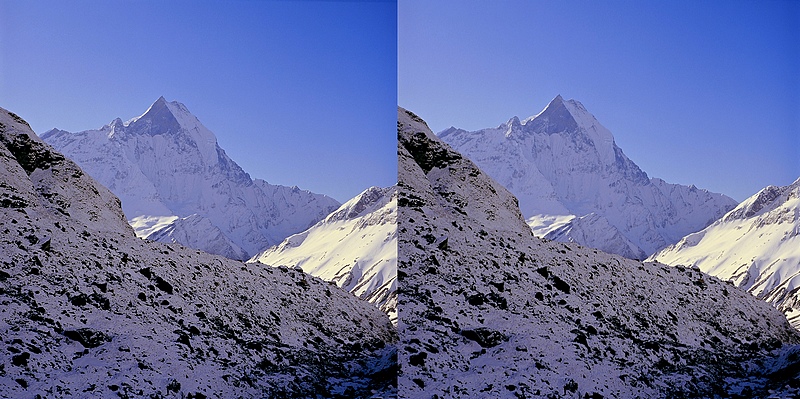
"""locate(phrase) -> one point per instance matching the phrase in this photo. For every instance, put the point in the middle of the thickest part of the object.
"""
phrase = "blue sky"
(695, 92)
(298, 92)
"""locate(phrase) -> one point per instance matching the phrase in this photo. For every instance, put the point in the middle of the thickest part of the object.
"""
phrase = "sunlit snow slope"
(487, 310)
(166, 167)
(355, 247)
(90, 311)
(756, 245)
(563, 165)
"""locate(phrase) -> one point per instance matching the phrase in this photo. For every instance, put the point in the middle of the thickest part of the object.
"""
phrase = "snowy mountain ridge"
(562, 162)
(488, 310)
(166, 164)
(756, 246)
(89, 310)
(355, 247)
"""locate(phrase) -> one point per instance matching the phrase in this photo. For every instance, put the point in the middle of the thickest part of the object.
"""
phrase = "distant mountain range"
(177, 185)
(574, 184)
(756, 245)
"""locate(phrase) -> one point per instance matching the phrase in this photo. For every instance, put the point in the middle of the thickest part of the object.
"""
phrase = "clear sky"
(298, 92)
(695, 92)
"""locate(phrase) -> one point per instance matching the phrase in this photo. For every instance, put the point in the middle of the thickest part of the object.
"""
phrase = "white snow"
(756, 245)
(196, 231)
(165, 163)
(591, 230)
(146, 225)
(541, 225)
(354, 247)
(563, 163)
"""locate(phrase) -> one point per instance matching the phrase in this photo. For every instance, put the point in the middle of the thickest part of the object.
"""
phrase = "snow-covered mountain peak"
(115, 128)
(158, 119)
(555, 103)
(555, 118)
(512, 123)
(756, 246)
(165, 163)
(570, 119)
(170, 118)
(355, 247)
(563, 162)
(764, 201)
(370, 199)
(454, 130)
